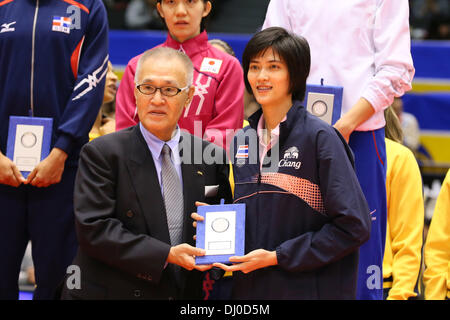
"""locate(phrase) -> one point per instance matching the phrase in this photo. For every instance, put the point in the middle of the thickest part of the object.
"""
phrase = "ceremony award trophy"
(28, 141)
(325, 102)
(222, 233)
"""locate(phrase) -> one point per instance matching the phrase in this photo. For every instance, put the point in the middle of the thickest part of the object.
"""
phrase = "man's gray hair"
(167, 53)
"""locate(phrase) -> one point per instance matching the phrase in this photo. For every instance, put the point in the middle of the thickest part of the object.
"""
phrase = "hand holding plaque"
(28, 141)
(221, 233)
(9, 174)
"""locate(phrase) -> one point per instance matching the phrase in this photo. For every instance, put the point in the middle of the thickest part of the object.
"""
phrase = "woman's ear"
(207, 10)
(158, 7)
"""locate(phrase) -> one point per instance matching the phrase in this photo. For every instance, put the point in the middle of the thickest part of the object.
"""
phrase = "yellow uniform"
(436, 277)
(404, 233)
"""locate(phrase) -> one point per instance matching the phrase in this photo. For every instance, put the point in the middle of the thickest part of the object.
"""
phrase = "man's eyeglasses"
(149, 90)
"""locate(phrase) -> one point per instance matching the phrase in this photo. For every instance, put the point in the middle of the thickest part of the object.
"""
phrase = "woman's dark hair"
(204, 21)
(292, 49)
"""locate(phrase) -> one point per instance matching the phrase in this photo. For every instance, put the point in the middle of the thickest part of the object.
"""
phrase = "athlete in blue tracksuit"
(306, 215)
(306, 204)
(53, 61)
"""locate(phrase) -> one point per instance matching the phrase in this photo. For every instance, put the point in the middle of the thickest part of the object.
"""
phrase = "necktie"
(173, 197)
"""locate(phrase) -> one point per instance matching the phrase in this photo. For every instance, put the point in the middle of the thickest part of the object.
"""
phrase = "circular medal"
(28, 139)
(319, 108)
(220, 225)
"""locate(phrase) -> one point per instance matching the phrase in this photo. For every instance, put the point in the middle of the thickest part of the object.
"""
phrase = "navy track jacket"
(53, 62)
(306, 204)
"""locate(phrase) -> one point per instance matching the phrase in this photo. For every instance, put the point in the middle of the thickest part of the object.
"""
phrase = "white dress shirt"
(361, 45)
(262, 136)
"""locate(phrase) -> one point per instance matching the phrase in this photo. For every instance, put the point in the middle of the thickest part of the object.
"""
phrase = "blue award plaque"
(222, 233)
(28, 141)
(325, 102)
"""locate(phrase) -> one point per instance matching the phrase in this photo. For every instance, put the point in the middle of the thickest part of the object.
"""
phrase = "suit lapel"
(146, 185)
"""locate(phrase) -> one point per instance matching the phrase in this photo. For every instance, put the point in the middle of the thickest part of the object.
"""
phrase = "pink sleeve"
(229, 106)
(126, 112)
(394, 69)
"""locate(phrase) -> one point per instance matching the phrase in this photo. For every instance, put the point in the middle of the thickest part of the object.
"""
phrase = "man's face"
(159, 114)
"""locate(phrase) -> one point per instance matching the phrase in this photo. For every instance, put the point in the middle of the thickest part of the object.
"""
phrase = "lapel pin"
(199, 173)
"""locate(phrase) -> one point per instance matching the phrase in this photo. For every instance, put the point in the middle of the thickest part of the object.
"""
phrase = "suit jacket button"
(137, 293)
(130, 214)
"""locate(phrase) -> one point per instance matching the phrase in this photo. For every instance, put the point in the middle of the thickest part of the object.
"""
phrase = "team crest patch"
(211, 65)
(61, 24)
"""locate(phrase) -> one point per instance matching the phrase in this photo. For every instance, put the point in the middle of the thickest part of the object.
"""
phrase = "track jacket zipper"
(31, 112)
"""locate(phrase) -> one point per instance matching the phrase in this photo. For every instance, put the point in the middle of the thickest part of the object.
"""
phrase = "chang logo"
(289, 159)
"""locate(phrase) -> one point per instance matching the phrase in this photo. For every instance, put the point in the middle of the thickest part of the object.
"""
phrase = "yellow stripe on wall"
(438, 146)
(423, 86)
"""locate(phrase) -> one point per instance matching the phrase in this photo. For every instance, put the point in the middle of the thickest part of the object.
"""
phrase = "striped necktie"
(173, 197)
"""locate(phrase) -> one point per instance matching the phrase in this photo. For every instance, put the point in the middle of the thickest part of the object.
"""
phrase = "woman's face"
(268, 77)
(183, 17)
(110, 84)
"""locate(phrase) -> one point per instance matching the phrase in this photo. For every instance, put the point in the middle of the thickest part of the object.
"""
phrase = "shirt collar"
(190, 46)
(274, 134)
(155, 144)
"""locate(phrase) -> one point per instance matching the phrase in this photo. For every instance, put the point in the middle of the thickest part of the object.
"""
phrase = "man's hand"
(9, 173)
(257, 259)
(49, 171)
(184, 256)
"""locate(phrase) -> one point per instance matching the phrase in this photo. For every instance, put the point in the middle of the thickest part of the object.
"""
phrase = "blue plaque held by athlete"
(28, 141)
(325, 102)
(222, 233)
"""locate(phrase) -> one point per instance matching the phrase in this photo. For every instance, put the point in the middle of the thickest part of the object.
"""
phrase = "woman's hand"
(49, 171)
(9, 173)
(358, 114)
(257, 259)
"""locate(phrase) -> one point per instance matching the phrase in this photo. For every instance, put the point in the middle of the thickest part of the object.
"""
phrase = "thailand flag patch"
(242, 152)
(61, 24)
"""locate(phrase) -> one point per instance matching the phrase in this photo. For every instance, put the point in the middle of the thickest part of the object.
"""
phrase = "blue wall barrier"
(124, 45)
(432, 110)
(431, 59)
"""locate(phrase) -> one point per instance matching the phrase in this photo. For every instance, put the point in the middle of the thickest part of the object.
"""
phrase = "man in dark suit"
(132, 243)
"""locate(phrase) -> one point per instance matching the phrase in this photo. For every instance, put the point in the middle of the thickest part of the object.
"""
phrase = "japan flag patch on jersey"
(211, 65)
(61, 24)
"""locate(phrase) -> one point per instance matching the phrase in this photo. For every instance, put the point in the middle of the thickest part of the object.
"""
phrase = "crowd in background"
(429, 19)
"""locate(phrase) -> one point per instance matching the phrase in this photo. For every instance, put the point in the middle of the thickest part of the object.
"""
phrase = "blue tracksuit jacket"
(67, 85)
(306, 204)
